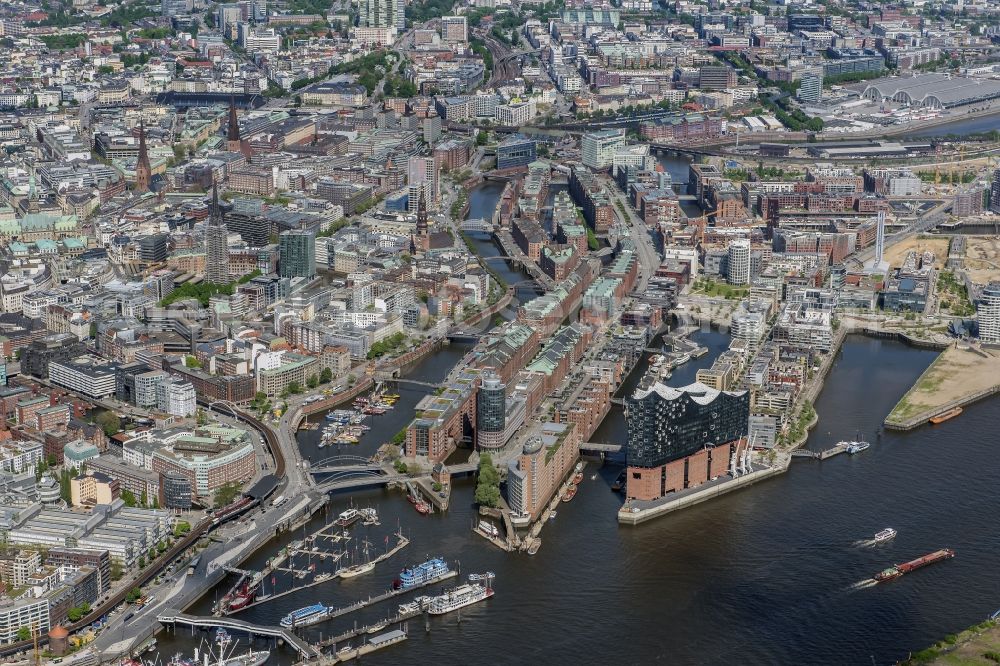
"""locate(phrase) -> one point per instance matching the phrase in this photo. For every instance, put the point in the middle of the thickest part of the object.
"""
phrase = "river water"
(771, 574)
(959, 127)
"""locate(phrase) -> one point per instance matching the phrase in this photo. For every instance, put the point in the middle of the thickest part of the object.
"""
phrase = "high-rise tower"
(143, 171)
(216, 245)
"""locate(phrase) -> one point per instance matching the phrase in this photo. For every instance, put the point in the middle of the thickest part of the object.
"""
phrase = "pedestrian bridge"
(597, 447)
(304, 649)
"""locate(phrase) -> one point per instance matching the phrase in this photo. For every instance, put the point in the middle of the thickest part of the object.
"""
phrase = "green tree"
(326, 376)
(481, 138)
(128, 498)
(116, 570)
(191, 361)
(143, 500)
(64, 485)
(133, 595)
(488, 485)
(24, 634)
(226, 494)
(110, 423)
(313, 381)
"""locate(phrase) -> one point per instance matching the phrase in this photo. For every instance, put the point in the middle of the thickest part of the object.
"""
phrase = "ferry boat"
(578, 478)
(570, 494)
(463, 595)
(898, 570)
(941, 418)
(885, 535)
(414, 606)
(857, 447)
(420, 574)
(348, 517)
(489, 529)
(304, 617)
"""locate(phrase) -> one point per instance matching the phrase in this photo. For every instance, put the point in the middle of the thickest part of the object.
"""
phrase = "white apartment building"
(598, 148)
(177, 397)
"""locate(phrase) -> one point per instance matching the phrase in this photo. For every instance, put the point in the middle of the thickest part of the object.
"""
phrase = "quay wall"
(634, 518)
(493, 309)
(305, 410)
(922, 418)
(400, 362)
(899, 336)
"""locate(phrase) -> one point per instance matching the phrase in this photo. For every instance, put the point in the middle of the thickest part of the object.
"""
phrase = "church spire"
(215, 215)
(233, 141)
(422, 214)
(143, 170)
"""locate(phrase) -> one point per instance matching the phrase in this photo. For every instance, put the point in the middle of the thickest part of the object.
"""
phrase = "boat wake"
(864, 543)
(862, 584)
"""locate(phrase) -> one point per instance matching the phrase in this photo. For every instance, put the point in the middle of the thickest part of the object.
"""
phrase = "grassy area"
(979, 644)
(713, 288)
(953, 296)
(911, 404)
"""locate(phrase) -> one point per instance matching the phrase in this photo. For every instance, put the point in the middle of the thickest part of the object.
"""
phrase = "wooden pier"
(371, 645)
(388, 594)
(402, 543)
(399, 618)
(820, 455)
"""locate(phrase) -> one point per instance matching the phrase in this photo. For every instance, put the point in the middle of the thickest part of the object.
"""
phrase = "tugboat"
(570, 494)
(619, 484)
(419, 504)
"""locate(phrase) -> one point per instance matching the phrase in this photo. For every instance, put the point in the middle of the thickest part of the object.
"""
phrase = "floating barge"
(941, 418)
(898, 570)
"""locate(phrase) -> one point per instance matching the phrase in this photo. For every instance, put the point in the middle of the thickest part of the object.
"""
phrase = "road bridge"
(302, 647)
(344, 470)
(367, 479)
(415, 382)
(476, 224)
